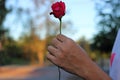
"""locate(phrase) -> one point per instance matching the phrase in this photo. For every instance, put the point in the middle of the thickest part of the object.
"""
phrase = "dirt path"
(32, 73)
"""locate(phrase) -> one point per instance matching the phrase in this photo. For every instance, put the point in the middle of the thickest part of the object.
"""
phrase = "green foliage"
(84, 44)
(13, 50)
(4, 58)
(108, 24)
(3, 13)
(12, 53)
(32, 48)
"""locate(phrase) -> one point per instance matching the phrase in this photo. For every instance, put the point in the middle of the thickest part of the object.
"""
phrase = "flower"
(58, 9)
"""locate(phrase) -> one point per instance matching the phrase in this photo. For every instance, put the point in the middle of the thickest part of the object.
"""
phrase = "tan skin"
(68, 55)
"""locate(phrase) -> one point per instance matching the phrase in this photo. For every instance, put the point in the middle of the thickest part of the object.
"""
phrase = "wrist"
(93, 72)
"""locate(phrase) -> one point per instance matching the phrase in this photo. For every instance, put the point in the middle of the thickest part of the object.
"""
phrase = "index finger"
(61, 37)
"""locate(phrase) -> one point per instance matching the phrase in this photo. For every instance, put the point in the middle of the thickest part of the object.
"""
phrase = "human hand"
(65, 53)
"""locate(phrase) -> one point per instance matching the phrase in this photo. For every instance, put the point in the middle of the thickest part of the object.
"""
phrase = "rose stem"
(59, 73)
(60, 33)
(60, 25)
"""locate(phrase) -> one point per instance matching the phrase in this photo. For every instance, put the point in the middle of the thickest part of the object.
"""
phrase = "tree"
(32, 26)
(38, 28)
(108, 18)
(84, 44)
(3, 12)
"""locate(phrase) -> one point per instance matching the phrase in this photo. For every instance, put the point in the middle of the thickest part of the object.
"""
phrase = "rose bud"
(58, 9)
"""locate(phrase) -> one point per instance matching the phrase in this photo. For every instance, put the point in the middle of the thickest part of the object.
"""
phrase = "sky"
(80, 12)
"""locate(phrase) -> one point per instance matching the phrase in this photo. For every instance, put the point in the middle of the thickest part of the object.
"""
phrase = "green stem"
(60, 25)
(60, 33)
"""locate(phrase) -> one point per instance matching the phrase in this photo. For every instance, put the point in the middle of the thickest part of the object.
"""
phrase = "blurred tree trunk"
(3, 12)
(34, 49)
(41, 53)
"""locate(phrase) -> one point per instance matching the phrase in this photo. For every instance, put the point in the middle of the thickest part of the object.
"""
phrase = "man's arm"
(68, 55)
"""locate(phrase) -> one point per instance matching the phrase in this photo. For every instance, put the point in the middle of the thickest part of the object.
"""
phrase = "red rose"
(58, 9)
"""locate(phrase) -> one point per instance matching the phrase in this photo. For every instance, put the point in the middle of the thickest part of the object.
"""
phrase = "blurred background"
(26, 29)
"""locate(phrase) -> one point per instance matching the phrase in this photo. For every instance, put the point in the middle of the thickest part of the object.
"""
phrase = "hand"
(68, 55)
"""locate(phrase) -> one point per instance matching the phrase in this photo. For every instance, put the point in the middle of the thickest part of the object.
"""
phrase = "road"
(33, 73)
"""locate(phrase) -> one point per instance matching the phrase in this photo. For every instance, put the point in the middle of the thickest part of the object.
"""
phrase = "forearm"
(93, 72)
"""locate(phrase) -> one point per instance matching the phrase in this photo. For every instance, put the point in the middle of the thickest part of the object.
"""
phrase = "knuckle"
(56, 51)
(70, 41)
(53, 40)
(48, 57)
(48, 48)
(65, 48)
